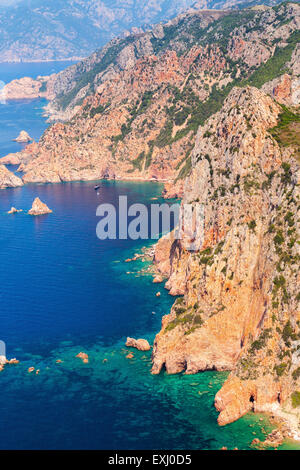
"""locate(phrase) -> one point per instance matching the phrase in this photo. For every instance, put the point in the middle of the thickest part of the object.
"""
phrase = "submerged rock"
(39, 208)
(140, 344)
(23, 138)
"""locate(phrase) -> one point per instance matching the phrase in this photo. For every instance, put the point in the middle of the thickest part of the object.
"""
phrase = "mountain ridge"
(35, 30)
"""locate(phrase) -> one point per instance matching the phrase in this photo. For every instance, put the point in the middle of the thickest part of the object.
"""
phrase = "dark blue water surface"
(63, 291)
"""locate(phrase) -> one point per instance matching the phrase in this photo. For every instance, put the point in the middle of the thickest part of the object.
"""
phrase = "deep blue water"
(63, 291)
(23, 115)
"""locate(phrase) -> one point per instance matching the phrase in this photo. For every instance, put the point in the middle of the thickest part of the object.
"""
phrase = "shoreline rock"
(13, 210)
(4, 361)
(39, 208)
(140, 344)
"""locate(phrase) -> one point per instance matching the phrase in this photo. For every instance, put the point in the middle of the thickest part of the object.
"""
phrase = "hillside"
(142, 119)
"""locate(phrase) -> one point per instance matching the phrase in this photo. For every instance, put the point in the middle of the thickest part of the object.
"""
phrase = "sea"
(63, 291)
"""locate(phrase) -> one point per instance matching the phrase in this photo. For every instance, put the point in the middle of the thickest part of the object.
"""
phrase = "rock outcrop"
(23, 138)
(140, 344)
(238, 271)
(39, 208)
(84, 357)
(26, 88)
(8, 179)
(11, 159)
(13, 210)
(4, 362)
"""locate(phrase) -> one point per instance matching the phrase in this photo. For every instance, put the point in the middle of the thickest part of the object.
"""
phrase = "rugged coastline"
(230, 313)
(239, 312)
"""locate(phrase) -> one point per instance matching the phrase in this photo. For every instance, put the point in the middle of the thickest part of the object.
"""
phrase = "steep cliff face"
(240, 304)
(152, 93)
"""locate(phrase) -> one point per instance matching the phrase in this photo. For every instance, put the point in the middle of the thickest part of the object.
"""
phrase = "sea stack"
(39, 208)
(23, 138)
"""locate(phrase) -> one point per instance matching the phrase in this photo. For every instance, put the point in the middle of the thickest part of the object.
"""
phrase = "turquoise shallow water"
(63, 291)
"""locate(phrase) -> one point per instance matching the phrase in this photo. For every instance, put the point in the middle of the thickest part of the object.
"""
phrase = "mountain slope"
(142, 119)
(36, 30)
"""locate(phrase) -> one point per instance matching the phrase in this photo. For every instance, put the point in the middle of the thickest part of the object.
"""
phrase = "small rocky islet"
(38, 208)
(23, 138)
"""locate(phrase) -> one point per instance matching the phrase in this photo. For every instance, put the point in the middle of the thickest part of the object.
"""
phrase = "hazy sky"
(9, 2)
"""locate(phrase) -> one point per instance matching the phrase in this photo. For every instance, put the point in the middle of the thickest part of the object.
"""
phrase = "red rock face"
(238, 313)
(282, 92)
(135, 110)
(114, 134)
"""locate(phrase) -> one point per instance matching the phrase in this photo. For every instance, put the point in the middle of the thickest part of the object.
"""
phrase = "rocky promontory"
(39, 208)
(26, 88)
(8, 179)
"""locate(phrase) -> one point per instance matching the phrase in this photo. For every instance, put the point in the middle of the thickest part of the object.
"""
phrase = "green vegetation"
(287, 131)
(260, 342)
(138, 162)
(296, 374)
(280, 368)
(98, 110)
(252, 225)
(295, 399)
(274, 67)
(288, 333)
(185, 170)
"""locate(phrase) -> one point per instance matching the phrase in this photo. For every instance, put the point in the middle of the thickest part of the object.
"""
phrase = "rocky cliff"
(240, 304)
(151, 92)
